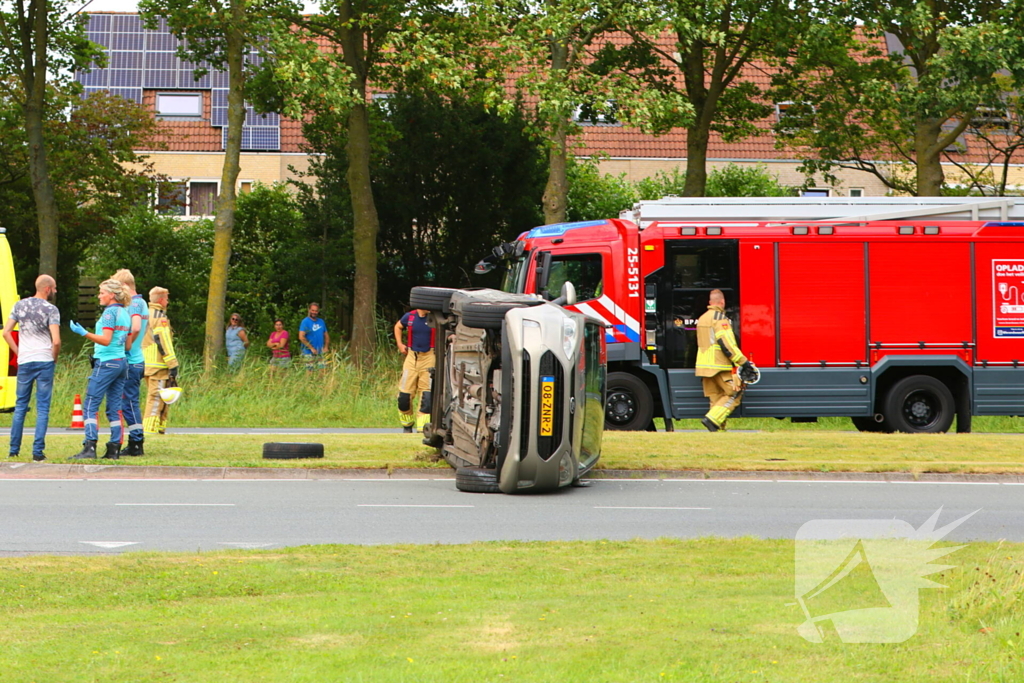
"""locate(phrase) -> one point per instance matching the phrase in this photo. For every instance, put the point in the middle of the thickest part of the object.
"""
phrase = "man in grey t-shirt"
(37, 347)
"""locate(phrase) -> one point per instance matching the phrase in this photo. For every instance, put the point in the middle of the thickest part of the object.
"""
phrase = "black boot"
(134, 448)
(88, 451)
(113, 450)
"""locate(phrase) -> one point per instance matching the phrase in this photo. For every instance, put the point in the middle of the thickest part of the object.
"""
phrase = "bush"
(746, 181)
(593, 195)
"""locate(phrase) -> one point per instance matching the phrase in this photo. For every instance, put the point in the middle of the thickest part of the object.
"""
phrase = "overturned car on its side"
(519, 388)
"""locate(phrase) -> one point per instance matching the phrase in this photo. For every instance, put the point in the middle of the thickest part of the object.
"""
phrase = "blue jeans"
(107, 380)
(41, 373)
(130, 401)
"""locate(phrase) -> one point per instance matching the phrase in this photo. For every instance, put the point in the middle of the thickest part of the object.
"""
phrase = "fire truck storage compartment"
(999, 358)
(820, 352)
(692, 269)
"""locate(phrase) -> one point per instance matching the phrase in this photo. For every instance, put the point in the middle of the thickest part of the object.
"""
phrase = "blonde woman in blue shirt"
(109, 370)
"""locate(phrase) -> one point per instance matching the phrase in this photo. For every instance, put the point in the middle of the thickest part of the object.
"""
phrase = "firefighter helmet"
(749, 373)
(170, 394)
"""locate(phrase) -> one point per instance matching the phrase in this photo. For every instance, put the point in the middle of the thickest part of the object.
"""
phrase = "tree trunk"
(224, 221)
(35, 39)
(364, 237)
(557, 187)
(928, 151)
(697, 137)
(365, 223)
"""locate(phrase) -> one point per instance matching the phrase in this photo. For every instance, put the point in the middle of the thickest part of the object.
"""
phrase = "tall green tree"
(707, 51)
(545, 50)
(325, 66)
(221, 33)
(41, 43)
(900, 90)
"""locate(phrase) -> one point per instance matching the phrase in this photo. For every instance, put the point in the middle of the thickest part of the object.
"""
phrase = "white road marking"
(641, 507)
(245, 546)
(110, 544)
(376, 505)
(191, 505)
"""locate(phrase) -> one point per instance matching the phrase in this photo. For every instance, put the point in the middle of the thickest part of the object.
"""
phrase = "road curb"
(30, 470)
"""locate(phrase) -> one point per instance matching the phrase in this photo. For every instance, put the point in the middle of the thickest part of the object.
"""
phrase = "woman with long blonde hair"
(110, 368)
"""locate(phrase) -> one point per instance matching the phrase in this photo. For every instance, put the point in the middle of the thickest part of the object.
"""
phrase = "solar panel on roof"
(142, 58)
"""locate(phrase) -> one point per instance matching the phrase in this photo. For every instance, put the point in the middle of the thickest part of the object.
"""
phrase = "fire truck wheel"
(630, 406)
(488, 315)
(431, 298)
(476, 480)
(919, 403)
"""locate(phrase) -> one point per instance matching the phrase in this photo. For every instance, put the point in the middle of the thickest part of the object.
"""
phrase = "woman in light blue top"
(236, 340)
(110, 368)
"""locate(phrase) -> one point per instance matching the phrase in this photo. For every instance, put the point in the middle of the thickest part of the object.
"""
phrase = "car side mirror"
(568, 295)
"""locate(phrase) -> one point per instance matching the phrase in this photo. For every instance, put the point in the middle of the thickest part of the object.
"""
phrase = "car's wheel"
(867, 423)
(489, 315)
(630, 406)
(431, 298)
(476, 480)
(292, 451)
(919, 403)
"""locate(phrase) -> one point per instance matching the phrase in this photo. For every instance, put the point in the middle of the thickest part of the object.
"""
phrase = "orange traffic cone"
(77, 421)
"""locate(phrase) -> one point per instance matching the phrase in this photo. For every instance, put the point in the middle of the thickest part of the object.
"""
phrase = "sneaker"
(12, 455)
(38, 458)
(406, 429)
(709, 425)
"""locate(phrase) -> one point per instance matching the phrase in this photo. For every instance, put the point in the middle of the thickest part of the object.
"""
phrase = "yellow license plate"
(547, 405)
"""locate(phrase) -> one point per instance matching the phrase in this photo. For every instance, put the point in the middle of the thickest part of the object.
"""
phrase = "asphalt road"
(82, 516)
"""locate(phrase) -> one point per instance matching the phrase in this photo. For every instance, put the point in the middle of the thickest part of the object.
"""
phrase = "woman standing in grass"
(280, 356)
(236, 341)
(110, 368)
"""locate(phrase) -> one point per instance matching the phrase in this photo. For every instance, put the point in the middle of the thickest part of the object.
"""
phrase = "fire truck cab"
(901, 313)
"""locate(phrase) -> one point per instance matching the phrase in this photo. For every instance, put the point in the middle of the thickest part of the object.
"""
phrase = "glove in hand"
(174, 373)
(748, 372)
(77, 329)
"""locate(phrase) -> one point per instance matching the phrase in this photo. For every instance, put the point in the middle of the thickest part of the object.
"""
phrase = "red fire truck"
(899, 313)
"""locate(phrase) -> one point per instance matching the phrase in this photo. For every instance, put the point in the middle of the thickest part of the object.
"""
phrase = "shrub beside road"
(667, 610)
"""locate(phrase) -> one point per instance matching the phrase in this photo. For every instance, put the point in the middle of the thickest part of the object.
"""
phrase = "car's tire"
(919, 404)
(432, 298)
(867, 423)
(292, 451)
(630, 406)
(476, 480)
(489, 315)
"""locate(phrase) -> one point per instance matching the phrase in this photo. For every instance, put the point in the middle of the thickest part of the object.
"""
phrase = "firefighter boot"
(113, 451)
(134, 448)
(88, 451)
(709, 424)
(421, 421)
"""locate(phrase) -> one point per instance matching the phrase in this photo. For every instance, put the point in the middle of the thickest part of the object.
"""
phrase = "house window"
(194, 198)
(813, 192)
(991, 120)
(202, 198)
(171, 199)
(179, 105)
(856, 192)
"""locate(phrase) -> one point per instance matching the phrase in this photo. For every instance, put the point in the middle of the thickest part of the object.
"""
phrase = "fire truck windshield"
(515, 276)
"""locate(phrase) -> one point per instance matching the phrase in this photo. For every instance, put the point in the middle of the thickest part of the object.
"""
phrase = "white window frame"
(611, 107)
(856, 191)
(197, 96)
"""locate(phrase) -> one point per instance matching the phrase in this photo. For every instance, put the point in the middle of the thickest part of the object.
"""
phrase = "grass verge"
(666, 610)
(788, 451)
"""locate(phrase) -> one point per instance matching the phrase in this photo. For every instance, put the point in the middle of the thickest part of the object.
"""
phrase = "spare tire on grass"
(432, 298)
(476, 480)
(292, 451)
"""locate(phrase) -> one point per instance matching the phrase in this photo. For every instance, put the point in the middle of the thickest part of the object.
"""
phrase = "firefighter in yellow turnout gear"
(161, 363)
(717, 355)
(418, 347)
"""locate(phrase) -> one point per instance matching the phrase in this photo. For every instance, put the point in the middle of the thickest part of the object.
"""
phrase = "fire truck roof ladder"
(723, 209)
